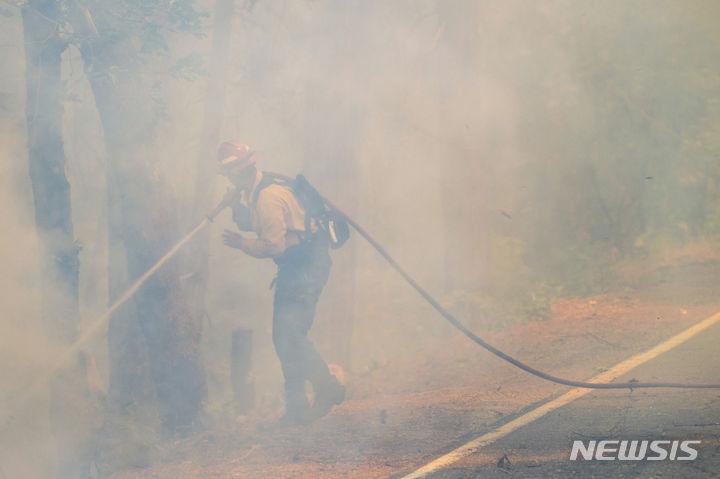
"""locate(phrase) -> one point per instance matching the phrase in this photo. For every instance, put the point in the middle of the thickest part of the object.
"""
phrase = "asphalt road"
(541, 449)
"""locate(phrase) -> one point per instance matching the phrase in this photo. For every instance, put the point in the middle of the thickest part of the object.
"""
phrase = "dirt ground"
(403, 414)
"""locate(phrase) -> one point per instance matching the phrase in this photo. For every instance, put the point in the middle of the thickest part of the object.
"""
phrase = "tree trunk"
(142, 220)
(51, 189)
(214, 108)
(69, 395)
(198, 250)
(243, 383)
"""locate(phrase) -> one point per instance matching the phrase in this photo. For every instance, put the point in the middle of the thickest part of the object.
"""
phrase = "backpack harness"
(329, 221)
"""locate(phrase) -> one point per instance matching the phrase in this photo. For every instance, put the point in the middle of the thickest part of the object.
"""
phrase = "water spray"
(89, 332)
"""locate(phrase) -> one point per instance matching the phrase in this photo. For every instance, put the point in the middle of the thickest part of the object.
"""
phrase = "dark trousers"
(302, 274)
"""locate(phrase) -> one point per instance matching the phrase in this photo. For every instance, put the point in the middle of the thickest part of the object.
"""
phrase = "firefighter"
(273, 212)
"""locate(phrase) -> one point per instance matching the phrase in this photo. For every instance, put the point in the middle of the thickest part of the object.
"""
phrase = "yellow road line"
(608, 376)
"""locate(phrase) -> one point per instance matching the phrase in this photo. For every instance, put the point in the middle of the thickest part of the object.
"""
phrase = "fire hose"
(67, 357)
(482, 343)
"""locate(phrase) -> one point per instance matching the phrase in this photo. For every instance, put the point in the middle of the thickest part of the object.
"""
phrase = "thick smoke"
(505, 152)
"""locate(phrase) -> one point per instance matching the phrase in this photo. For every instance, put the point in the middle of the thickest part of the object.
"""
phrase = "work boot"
(297, 411)
(327, 396)
(291, 420)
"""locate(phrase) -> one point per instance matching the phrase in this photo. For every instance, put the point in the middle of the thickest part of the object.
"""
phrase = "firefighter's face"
(242, 179)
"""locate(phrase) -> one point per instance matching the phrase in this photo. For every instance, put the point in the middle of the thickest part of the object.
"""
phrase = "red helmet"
(234, 156)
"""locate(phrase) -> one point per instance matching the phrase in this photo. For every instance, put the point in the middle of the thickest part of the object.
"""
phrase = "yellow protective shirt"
(277, 218)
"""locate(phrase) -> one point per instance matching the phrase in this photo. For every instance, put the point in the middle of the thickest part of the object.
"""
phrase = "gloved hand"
(230, 197)
(232, 239)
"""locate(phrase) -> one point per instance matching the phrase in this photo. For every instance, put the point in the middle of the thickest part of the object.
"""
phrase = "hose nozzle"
(230, 196)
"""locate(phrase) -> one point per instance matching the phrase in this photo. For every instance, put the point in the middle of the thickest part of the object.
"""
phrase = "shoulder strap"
(267, 180)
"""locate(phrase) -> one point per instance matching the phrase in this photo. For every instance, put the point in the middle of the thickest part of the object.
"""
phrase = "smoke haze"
(506, 153)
